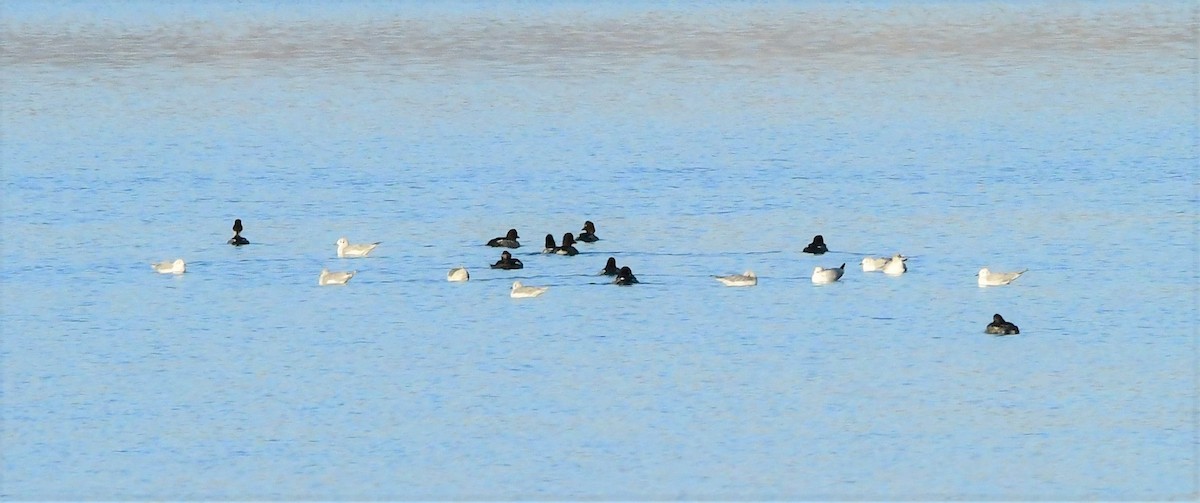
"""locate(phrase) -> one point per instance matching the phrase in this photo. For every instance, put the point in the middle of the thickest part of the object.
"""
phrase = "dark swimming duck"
(1000, 327)
(625, 277)
(508, 241)
(550, 246)
(568, 245)
(610, 268)
(508, 262)
(589, 233)
(237, 239)
(817, 246)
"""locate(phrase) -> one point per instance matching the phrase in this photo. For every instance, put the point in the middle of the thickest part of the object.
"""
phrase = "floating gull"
(745, 279)
(872, 264)
(520, 291)
(175, 267)
(347, 250)
(895, 266)
(823, 276)
(989, 278)
(458, 274)
(334, 278)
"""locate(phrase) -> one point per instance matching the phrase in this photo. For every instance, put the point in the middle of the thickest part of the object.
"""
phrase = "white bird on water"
(895, 266)
(989, 278)
(347, 250)
(175, 267)
(334, 278)
(871, 264)
(747, 278)
(458, 274)
(520, 291)
(822, 276)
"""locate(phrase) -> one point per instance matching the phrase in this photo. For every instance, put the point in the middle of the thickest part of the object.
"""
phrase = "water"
(703, 140)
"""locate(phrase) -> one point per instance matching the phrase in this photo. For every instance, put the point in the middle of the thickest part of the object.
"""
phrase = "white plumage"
(520, 291)
(347, 250)
(175, 267)
(822, 276)
(989, 278)
(747, 278)
(458, 274)
(334, 278)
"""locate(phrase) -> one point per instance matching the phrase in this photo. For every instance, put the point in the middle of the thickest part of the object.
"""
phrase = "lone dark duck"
(999, 326)
(817, 246)
(237, 239)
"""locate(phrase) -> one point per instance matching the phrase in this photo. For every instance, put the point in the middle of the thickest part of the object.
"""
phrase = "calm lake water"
(703, 139)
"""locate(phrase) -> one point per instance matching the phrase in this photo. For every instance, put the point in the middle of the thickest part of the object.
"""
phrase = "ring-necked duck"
(817, 246)
(550, 246)
(508, 241)
(568, 245)
(625, 277)
(507, 262)
(610, 267)
(589, 233)
(999, 326)
(237, 239)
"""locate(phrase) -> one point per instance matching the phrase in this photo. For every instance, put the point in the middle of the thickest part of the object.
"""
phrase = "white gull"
(176, 267)
(520, 291)
(747, 278)
(334, 278)
(347, 250)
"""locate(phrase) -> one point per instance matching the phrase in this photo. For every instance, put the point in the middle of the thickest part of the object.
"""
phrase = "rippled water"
(701, 140)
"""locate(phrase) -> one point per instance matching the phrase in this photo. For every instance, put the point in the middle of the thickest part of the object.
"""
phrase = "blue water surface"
(701, 139)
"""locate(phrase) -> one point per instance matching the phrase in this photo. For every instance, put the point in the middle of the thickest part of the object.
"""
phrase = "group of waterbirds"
(894, 266)
(178, 266)
(621, 276)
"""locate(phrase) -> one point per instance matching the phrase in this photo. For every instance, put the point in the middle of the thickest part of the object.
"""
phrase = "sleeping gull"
(176, 267)
(895, 266)
(458, 274)
(747, 278)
